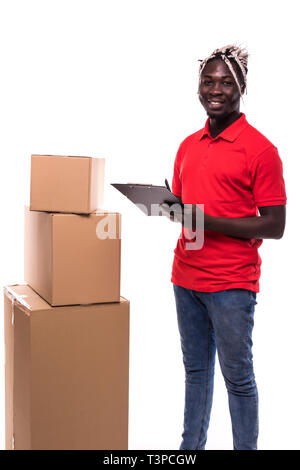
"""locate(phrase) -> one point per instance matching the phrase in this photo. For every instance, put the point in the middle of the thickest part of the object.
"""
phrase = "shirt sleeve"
(176, 181)
(267, 182)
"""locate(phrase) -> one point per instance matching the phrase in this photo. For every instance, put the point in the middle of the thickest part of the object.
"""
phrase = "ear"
(198, 89)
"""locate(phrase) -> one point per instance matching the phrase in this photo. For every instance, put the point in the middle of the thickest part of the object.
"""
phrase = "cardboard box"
(67, 263)
(66, 184)
(66, 373)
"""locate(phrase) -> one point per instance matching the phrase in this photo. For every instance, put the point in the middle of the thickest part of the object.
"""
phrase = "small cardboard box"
(73, 259)
(66, 184)
(66, 373)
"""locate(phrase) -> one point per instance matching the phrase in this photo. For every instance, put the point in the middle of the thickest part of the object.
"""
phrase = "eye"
(228, 83)
(207, 82)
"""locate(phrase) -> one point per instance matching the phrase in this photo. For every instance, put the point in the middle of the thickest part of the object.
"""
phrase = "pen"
(167, 185)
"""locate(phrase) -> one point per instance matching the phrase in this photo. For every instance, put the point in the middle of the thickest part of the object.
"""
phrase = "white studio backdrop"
(118, 80)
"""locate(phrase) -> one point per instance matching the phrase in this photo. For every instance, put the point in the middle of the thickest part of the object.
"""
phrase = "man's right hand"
(189, 215)
(174, 212)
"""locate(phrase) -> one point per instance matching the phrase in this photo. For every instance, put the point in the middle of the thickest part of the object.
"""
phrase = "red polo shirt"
(232, 175)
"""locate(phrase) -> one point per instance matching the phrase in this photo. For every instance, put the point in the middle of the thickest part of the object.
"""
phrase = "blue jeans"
(222, 321)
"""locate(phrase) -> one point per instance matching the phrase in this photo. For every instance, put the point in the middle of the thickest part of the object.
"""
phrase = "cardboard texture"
(66, 184)
(67, 263)
(66, 373)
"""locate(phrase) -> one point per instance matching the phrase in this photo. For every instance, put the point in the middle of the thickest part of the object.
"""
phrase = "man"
(235, 171)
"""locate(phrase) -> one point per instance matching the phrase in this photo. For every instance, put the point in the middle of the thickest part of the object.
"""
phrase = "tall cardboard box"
(66, 184)
(73, 259)
(66, 373)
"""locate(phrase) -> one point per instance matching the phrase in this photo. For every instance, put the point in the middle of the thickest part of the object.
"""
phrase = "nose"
(216, 89)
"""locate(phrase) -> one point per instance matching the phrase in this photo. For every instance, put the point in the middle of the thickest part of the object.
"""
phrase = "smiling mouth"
(215, 104)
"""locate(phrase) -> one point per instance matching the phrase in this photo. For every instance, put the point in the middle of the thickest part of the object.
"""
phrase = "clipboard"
(148, 197)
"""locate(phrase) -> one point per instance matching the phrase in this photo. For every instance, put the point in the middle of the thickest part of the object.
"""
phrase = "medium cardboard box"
(67, 262)
(66, 184)
(66, 373)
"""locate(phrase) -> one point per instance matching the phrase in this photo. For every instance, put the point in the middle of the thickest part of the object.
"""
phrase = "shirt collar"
(230, 133)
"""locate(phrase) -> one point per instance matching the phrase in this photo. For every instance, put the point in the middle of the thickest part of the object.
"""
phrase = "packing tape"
(17, 299)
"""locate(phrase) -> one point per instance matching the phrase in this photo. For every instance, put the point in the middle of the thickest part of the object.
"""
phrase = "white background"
(118, 79)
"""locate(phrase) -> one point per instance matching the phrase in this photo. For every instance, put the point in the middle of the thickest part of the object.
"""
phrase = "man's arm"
(270, 224)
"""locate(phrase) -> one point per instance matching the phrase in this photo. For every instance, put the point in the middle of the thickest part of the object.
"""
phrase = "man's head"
(223, 80)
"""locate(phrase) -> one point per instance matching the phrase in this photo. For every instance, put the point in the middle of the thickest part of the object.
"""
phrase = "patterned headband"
(233, 52)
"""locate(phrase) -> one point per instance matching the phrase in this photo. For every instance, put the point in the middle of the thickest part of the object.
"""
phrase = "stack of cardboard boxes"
(67, 328)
